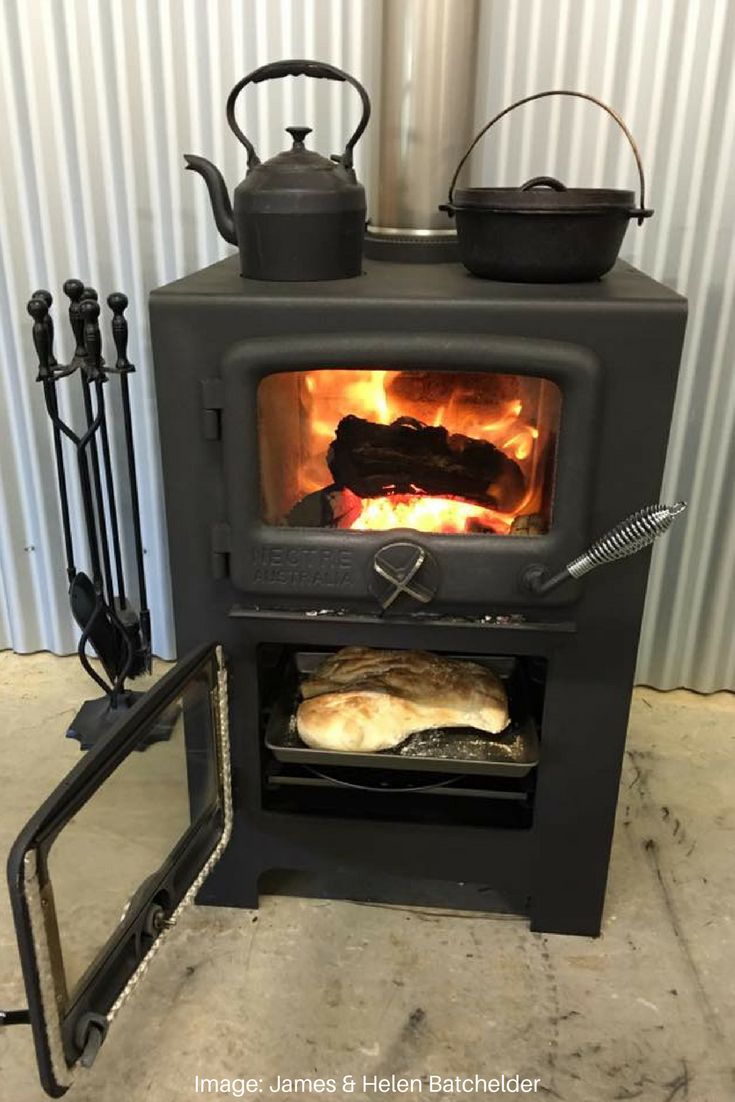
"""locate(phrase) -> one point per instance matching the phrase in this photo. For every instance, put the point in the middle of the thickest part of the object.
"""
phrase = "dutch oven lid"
(545, 194)
(299, 180)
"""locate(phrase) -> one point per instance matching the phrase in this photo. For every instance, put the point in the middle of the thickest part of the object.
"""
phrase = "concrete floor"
(317, 988)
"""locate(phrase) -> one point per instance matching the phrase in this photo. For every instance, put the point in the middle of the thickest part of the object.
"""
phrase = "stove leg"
(584, 920)
(578, 778)
(568, 892)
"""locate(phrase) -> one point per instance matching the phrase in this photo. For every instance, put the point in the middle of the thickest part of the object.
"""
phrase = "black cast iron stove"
(395, 461)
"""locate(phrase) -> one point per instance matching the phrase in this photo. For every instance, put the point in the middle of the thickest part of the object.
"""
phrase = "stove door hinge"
(221, 546)
(212, 404)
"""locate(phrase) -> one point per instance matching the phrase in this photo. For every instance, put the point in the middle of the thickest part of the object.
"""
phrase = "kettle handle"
(295, 68)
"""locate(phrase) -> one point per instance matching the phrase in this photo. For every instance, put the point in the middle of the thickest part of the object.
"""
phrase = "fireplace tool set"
(101, 603)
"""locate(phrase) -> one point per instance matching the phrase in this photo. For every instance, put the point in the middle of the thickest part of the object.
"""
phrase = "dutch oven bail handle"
(639, 214)
(296, 68)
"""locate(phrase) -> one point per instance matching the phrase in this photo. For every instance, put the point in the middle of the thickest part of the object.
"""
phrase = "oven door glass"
(100, 874)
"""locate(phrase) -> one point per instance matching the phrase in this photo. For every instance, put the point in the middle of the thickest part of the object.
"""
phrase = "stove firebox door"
(100, 875)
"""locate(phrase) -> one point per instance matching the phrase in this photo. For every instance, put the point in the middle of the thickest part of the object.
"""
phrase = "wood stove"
(306, 433)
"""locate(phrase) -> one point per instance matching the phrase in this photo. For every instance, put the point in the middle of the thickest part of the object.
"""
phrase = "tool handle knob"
(38, 310)
(73, 289)
(118, 303)
(90, 312)
(47, 297)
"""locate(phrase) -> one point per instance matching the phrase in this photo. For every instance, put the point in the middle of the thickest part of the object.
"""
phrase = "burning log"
(409, 457)
(325, 508)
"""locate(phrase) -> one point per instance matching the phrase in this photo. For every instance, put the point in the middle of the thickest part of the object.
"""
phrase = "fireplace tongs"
(627, 538)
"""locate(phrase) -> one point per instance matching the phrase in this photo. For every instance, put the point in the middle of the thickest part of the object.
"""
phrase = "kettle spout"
(217, 188)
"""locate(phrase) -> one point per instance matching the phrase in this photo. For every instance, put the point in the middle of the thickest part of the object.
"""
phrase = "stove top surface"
(388, 282)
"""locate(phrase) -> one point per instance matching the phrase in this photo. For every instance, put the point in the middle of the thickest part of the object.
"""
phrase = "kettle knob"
(298, 133)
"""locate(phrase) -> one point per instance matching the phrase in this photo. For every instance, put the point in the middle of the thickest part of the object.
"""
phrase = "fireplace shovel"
(103, 629)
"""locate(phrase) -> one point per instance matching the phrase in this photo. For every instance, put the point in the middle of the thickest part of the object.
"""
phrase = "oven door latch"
(212, 406)
(221, 546)
(627, 538)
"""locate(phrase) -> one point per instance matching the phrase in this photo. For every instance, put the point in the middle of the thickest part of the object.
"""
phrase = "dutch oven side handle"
(639, 213)
(294, 68)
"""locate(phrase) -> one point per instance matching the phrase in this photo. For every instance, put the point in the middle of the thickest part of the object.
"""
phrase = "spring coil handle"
(627, 538)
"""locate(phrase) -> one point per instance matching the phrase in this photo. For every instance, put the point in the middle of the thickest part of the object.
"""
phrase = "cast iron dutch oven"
(543, 232)
(298, 216)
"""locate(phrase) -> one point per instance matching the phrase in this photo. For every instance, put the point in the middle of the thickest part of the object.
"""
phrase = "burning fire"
(481, 407)
(427, 514)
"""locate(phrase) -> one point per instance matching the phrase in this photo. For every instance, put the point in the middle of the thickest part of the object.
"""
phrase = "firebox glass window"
(436, 451)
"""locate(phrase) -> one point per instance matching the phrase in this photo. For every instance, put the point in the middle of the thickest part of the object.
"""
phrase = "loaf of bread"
(362, 699)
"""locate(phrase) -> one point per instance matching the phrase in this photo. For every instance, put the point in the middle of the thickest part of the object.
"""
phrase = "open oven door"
(100, 875)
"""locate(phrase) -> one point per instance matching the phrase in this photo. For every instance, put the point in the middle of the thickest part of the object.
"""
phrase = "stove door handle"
(631, 535)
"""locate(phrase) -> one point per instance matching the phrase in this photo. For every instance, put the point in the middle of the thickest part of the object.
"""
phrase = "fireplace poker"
(118, 303)
(93, 344)
(75, 290)
(124, 645)
(43, 339)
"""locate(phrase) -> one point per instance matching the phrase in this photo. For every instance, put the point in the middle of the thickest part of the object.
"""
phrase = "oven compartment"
(513, 753)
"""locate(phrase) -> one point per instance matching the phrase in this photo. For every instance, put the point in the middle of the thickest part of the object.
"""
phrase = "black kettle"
(299, 216)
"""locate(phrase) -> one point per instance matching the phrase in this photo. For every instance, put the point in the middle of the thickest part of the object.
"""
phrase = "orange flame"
(428, 514)
(329, 395)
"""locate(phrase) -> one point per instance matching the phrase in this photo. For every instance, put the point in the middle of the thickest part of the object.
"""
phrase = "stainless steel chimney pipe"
(429, 61)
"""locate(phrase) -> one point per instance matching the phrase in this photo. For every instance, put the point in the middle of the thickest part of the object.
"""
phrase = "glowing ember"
(427, 514)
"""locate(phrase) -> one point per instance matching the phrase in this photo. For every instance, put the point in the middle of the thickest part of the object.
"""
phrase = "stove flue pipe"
(428, 68)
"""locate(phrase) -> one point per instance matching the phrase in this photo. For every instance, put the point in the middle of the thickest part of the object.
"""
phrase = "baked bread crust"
(364, 699)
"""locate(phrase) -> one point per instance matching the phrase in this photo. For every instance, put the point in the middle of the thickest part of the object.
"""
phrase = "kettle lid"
(300, 181)
(298, 133)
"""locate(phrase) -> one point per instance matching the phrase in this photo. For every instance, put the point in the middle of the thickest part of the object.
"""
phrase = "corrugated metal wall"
(100, 99)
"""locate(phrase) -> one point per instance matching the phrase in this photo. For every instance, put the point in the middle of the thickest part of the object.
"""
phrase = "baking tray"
(512, 753)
